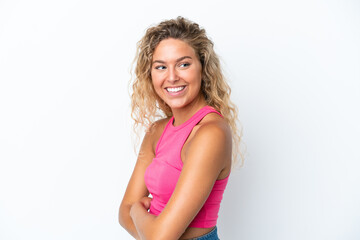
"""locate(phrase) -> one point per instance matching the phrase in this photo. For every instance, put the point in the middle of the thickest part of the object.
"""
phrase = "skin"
(206, 154)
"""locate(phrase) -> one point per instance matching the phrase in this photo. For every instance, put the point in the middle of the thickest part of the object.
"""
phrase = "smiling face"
(176, 73)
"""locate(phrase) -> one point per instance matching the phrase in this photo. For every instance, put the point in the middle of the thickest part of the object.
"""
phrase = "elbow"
(120, 218)
(121, 221)
(123, 215)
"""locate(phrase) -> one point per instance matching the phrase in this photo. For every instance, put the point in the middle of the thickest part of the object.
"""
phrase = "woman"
(185, 158)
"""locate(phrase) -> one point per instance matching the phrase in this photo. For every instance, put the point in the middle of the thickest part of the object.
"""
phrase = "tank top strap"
(194, 120)
(174, 137)
(184, 130)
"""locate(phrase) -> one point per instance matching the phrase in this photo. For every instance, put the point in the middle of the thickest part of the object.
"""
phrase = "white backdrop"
(65, 130)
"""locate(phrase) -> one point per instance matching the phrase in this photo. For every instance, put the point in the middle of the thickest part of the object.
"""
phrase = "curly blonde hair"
(147, 106)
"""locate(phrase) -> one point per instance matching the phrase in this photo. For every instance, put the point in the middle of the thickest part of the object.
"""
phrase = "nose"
(172, 75)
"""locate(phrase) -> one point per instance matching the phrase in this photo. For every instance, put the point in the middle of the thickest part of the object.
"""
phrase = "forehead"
(169, 49)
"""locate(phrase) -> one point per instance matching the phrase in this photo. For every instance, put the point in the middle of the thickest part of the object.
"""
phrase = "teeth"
(177, 89)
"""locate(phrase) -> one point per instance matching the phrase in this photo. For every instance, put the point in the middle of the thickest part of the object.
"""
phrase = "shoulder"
(213, 126)
(158, 126)
(152, 136)
(155, 131)
(212, 143)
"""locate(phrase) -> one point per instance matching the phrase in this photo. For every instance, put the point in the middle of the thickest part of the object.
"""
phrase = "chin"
(177, 105)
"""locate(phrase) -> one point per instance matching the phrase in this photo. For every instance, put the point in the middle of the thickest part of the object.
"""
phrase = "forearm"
(126, 221)
(145, 223)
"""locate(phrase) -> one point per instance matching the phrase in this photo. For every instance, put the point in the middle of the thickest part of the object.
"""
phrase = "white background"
(65, 129)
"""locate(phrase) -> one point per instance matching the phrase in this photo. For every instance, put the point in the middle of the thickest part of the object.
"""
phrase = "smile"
(175, 89)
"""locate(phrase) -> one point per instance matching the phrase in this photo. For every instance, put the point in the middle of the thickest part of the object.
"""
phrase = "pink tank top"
(162, 174)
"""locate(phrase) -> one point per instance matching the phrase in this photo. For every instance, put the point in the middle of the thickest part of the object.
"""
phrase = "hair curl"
(147, 106)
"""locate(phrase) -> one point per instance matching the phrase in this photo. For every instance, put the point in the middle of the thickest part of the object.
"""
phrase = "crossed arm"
(204, 160)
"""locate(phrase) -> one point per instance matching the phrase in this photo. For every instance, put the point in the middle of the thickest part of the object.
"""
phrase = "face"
(176, 73)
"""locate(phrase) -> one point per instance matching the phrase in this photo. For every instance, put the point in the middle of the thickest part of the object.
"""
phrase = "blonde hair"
(146, 104)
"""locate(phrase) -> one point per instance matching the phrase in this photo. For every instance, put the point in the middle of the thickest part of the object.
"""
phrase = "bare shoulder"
(214, 128)
(214, 139)
(214, 122)
(152, 136)
(155, 131)
(159, 125)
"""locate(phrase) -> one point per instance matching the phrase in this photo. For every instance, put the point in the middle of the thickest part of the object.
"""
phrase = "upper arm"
(206, 157)
(136, 188)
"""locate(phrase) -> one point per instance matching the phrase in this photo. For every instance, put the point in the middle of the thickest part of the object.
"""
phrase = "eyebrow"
(177, 60)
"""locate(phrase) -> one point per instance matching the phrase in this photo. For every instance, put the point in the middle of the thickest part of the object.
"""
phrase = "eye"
(183, 65)
(160, 67)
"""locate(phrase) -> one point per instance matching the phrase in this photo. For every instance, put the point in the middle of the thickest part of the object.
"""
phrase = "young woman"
(185, 158)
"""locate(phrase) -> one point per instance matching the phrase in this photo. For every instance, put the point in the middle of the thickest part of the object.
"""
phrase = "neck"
(181, 115)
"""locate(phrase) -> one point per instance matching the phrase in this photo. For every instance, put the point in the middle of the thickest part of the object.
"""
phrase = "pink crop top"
(162, 174)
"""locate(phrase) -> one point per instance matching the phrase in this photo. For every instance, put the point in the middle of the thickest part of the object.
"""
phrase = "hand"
(143, 205)
(146, 202)
(141, 217)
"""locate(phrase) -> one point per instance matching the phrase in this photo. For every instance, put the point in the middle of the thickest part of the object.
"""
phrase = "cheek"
(154, 80)
(195, 77)
(156, 84)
